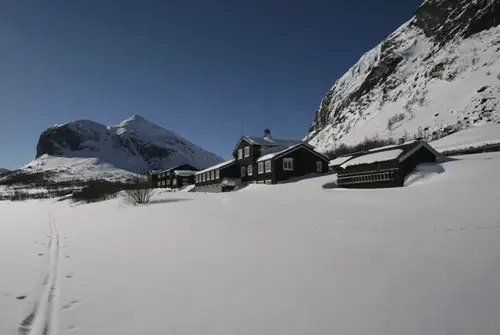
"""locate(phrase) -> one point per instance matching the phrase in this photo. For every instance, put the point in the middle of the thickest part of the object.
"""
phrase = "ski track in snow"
(43, 318)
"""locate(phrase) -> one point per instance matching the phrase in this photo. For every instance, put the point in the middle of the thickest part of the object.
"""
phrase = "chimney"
(267, 133)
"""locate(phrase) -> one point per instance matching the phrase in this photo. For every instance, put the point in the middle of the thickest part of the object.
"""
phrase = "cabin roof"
(381, 156)
(272, 153)
(276, 154)
(173, 168)
(339, 160)
(218, 166)
(184, 173)
(388, 153)
(271, 141)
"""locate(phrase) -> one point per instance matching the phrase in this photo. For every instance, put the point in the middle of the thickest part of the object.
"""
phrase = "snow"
(429, 104)
(272, 141)
(414, 260)
(381, 156)
(70, 168)
(217, 166)
(339, 160)
(231, 181)
(184, 173)
(189, 188)
(472, 137)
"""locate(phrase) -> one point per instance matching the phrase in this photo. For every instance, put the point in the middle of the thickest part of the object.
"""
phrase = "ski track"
(43, 318)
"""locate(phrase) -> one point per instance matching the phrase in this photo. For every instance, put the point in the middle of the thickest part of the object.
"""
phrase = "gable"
(242, 139)
(300, 147)
(410, 152)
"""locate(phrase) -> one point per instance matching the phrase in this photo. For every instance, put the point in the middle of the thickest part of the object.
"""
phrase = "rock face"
(437, 73)
(135, 145)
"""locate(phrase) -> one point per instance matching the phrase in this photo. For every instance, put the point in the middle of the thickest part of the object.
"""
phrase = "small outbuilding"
(167, 178)
(385, 167)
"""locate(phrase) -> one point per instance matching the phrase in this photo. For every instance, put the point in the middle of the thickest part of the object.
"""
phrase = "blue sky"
(198, 68)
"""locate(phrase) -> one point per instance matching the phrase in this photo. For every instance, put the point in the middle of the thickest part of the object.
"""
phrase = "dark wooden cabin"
(262, 160)
(164, 179)
(181, 178)
(385, 167)
(296, 161)
(211, 179)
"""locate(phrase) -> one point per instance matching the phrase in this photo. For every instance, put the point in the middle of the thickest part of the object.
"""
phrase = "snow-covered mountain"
(436, 74)
(135, 145)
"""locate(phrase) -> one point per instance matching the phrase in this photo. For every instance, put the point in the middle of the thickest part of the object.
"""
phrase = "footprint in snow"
(71, 304)
(21, 297)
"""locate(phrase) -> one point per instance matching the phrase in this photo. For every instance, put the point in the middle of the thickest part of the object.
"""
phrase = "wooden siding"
(228, 171)
(304, 163)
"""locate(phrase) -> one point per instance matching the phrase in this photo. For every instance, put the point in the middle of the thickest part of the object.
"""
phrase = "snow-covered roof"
(393, 146)
(339, 160)
(218, 166)
(273, 153)
(381, 156)
(184, 173)
(272, 141)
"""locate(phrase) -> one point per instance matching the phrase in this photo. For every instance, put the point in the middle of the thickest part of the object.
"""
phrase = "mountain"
(2, 171)
(135, 145)
(437, 74)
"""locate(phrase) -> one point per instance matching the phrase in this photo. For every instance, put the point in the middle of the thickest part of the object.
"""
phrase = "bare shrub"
(19, 196)
(97, 190)
(139, 193)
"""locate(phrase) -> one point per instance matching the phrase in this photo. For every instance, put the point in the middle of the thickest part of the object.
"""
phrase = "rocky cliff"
(135, 145)
(436, 74)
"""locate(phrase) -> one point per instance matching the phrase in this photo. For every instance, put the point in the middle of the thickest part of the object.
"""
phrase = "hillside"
(135, 145)
(436, 74)
(2, 171)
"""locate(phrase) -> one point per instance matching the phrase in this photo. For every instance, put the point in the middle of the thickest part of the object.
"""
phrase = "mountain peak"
(136, 145)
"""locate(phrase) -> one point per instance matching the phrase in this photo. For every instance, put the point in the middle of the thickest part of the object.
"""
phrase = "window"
(319, 166)
(168, 173)
(174, 182)
(250, 170)
(268, 182)
(288, 164)
(217, 174)
(243, 170)
(240, 154)
(261, 168)
(168, 182)
(268, 166)
(204, 177)
(247, 151)
(212, 175)
(260, 182)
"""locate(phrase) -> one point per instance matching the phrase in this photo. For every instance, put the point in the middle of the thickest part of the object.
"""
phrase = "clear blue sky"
(194, 67)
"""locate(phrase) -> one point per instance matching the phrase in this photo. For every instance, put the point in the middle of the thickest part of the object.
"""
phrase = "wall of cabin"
(304, 163)
(423, 155)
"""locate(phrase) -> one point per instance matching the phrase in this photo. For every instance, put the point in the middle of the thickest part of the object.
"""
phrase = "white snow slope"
(135, 145)
(423, 259)
(433, 88)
